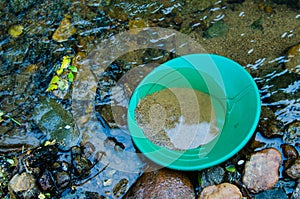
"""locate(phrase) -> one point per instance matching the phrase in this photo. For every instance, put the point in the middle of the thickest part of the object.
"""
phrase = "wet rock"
(56, 122)
(212, 176)
(15, 30)
(81, 166)
(221, 191)
(261, 171)
(268, 125)
(294, 170)
(218, 29)
(293, 54)
(23, 186)
(45, 181)
(62, 179)
(20, 5)
(65, 30)
(120, 188)
(296, 192)
(162, 184)
(289, 151)
(292, 134)
(273, 193)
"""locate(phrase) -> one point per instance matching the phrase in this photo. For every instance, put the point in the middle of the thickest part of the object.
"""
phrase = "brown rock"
(162, 184)
(294, 59)
(289, 151)
(268, 125)
(294, 170)
(261, 171)
(221, 191)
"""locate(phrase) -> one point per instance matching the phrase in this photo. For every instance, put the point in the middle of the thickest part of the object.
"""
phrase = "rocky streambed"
(66, 136)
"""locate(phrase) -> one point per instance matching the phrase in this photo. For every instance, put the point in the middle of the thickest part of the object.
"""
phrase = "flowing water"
(113, 44)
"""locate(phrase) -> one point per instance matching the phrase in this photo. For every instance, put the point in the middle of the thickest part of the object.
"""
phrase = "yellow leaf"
(52, 87)
(54, 79)
(66, 62)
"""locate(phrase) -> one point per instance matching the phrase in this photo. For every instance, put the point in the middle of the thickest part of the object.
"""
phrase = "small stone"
(261, 171)
(23, 185)
(218, 29)
(294, 170)
(15, 30)
(273, 193)
(163, 183)
(65, 30)
(212, 176)
(221, 191)
(293, 64)
(289, 151)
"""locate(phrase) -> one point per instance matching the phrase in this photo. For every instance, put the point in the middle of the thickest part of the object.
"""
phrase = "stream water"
(113, 44)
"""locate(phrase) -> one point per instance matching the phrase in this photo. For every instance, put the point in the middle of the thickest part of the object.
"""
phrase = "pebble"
(212, 176)
(218, 29)
(289, 151)
(65, 30)
(293, 64)
(221, 191)
(261, 171)
(294, 170)
(23, 185)
(163, 183)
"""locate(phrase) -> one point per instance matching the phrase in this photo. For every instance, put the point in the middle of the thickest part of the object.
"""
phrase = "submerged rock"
(293, 54)
(261, 171)
(163, 183)
(218, 29)
(294, 170)
(221, 191)
(56, 122)
(273, 193)
(268, 125)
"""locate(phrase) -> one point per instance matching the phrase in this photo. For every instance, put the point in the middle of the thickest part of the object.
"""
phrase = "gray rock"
(56, 122)
(218, 29)
(212, 176)
(23, 186)
(270, 194)
(261, 171)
